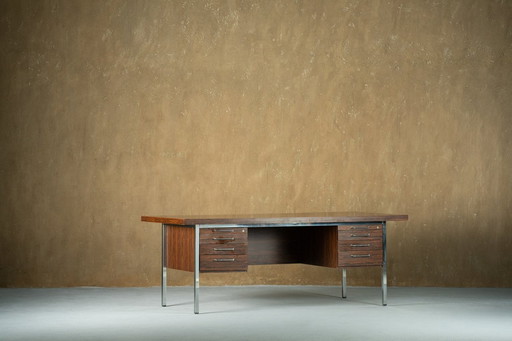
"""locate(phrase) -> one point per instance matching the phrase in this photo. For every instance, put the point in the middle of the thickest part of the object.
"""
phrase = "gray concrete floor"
(256, 313)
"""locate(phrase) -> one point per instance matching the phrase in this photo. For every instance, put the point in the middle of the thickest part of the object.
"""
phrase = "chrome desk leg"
(384, 266)
(196, 269)
(343, 283)
(164, 266)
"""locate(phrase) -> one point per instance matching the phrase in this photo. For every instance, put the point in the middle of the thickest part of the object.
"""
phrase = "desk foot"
(343, 283)
(384, 280)
(384, 284)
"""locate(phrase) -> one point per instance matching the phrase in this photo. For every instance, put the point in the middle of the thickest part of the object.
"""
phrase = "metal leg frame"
(384, 281)
(384, 278)
(343, 283)
(164, 266)
(196, 269)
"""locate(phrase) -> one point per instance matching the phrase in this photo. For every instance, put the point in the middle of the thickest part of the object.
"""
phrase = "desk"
(231, 243)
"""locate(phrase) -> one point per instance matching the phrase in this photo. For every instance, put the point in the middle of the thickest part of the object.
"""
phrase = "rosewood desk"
(232, 243)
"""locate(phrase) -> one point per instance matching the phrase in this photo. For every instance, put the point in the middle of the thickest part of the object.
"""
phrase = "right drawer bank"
(360, 245)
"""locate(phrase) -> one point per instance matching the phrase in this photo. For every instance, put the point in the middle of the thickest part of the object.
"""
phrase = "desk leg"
(164, 266)
(384, 267)
(343, 283)
(196, 269)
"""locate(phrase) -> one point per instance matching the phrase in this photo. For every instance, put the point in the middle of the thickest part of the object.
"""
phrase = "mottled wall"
(115, 109)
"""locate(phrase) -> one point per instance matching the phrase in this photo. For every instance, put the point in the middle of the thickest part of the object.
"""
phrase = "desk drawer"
(223, 263)
(360, 245)
(360, 235)
(219, 249)
(360, 258)
(223, 236)
(360, 227)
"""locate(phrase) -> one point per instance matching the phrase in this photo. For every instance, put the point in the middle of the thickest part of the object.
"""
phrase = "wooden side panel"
(180, 248)
(321, 246)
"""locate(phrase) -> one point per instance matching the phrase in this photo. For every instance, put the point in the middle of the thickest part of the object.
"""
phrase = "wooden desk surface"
(278, 218)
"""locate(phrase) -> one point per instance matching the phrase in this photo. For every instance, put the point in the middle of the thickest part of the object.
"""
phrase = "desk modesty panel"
(341, 240)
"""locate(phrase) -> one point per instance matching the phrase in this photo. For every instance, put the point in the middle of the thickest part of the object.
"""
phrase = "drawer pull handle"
(359, 235)
(359, 227)
(218, 238)
(361, 256)
(359, 245)
(224, 260)
(223, 230)
(363, 227)
(223, 249)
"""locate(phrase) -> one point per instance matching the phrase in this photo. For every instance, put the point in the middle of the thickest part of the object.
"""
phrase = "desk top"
(278, 218)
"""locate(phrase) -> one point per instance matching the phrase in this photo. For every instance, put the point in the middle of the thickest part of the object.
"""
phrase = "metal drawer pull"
(359, 245)
(361, 256)
(359, 227)
(224, 260)
(223, 249)
(363, 227)
(359, 235)
(223, 230)
(217, 238)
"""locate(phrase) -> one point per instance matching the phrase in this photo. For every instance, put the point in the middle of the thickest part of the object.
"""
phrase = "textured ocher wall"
(115, 109)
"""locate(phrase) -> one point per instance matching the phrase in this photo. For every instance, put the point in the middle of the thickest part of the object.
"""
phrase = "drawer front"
(223, 263)
(219, 249)
(360, 258)
(223, 236)
(360, 227)
(360, 235)
(360, 245)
